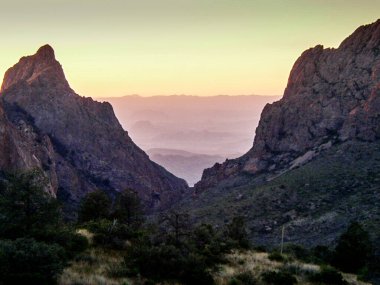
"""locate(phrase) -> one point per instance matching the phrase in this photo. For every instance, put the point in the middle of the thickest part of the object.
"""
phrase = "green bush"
(26, 261)
(276, 256)
(26, 209)
(72, 242)
(41, 243)
(278, 278)
(322, 255)
(111, 234)
(94, 206)
(244, 278)
(353, 250)
(298, 252)
(328, 275)
(127, 209)
(236, 233)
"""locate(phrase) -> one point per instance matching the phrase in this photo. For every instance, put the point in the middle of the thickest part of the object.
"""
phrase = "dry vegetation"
(94, 267)
(258, 262)
(101, 266)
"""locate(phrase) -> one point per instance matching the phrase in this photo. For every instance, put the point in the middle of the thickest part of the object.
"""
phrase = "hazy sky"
(203, 47)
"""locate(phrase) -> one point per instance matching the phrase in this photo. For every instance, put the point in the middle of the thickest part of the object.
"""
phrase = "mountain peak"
(40, 68)
(46, 52)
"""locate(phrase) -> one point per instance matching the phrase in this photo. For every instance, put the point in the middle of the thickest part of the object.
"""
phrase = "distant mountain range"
(211, 128)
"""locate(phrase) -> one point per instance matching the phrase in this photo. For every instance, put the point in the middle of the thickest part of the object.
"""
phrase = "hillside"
(314, 164)
(332, 96)
(76, 141)
(314, 202)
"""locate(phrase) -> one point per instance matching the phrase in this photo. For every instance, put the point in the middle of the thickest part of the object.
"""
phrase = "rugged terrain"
(76, 141)
(314, 164)
(332, 96)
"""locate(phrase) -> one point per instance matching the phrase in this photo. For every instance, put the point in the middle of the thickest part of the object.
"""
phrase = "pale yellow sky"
(198, 47)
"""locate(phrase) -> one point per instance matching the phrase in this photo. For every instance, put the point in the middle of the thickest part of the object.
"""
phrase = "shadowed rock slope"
(77, 141)
(315, 162)
(333, 95)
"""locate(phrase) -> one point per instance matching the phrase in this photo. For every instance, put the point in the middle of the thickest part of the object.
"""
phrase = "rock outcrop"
(77, 141)
(332, 95)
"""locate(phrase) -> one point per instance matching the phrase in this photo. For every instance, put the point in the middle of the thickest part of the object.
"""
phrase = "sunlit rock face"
(88, 148)
(332, 95)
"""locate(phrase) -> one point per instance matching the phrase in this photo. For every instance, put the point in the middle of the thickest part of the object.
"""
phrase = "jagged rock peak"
(41, 68)
(46, 52)
(332, 95)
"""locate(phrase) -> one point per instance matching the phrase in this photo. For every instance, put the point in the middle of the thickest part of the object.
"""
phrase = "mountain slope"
(91, 150)
(315, 202)
(333, 95)
(314, 165)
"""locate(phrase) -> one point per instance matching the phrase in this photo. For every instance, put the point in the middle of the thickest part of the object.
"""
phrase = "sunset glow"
(200, 47)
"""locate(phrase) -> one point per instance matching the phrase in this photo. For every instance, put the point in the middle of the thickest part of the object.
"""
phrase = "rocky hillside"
(332, 96)
(77, 141)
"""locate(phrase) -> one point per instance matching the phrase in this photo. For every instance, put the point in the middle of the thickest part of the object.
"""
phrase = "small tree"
(26, 261)
(176, 223)
(236, 232)
(127, 208)
(353, 249)
(25, 208)
(94, 206)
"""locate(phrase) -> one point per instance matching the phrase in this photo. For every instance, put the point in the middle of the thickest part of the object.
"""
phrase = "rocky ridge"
(332, 96)
(76, 141)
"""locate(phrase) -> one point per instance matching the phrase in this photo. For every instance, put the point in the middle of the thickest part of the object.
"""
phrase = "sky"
(163, 47)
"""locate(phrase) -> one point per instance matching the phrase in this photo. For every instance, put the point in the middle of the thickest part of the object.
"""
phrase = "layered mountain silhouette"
(76, 141)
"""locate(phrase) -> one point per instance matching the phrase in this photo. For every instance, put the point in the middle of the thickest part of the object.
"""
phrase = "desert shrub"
(276, 256)
(110, 233)
(278, 278)
(299, 252)
(328, 275)
(26, 209)
(26, 261)
(353, 249)
(260, 248)
(236, 233)
(35, 243)
(322, 255)
(127, 209)
(94, 206)
(186, 259)
(66, 237)
(118, 271)
(205, 241)
(181, 252)
(243, 278)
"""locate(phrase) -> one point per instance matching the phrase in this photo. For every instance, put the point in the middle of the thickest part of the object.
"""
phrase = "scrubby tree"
(34, 242)
(236, 233)
(94, 206)
(177, 224)
(26, 261)
(127, 208)
(353, 249)
(26, 209)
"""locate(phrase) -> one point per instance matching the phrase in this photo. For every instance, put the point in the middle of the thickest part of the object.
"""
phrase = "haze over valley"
(187, 134)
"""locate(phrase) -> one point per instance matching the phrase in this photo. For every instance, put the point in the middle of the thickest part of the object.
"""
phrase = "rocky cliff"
(77, 141)
(332, 96)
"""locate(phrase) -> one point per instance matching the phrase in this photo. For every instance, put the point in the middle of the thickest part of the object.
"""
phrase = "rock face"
(333, 95)
(78, 142)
